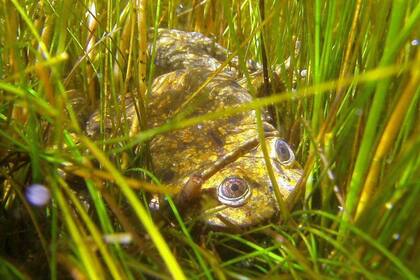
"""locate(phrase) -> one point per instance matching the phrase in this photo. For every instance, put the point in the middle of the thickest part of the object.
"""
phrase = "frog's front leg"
(189, 193)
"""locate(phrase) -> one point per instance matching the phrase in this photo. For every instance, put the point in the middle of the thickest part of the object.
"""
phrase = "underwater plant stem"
(394, 41)
(140, 211)
(388, 136)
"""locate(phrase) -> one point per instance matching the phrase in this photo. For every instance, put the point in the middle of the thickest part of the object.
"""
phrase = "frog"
(217, 167)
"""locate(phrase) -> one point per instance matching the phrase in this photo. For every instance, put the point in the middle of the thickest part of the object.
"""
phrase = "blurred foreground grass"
(351, 110)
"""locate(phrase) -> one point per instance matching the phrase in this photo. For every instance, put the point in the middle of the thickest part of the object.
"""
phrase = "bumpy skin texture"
(184, 61)
(179, 154)
(176, 49)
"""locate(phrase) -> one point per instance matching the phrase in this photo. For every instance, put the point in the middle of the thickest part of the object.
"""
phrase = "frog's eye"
(233, 191)
(284, 154)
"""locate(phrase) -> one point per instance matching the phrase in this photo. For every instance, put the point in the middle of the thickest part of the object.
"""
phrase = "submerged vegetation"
(350, 109)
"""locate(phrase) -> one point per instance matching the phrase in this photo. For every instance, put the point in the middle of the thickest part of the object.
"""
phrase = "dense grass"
(350, 109)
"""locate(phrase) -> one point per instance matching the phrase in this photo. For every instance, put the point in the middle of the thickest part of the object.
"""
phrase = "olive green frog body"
(224, 154)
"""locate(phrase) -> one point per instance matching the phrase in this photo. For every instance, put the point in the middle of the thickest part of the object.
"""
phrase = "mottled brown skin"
(198, 159)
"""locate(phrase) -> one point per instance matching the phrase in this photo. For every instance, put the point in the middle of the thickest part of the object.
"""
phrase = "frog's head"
(241, 194)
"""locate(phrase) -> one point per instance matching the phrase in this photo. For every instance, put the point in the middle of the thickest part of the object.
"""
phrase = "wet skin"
(217, 164)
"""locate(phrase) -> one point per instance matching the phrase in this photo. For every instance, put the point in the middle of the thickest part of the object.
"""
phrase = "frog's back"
(177, 154)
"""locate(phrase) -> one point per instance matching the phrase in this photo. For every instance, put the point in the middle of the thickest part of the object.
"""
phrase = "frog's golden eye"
(233, 191)
(284, 154)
